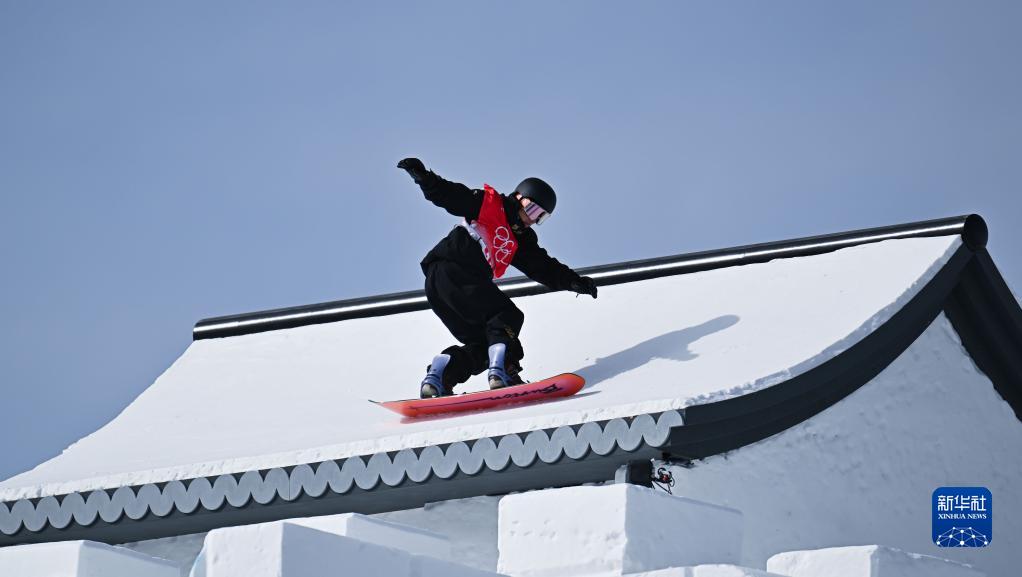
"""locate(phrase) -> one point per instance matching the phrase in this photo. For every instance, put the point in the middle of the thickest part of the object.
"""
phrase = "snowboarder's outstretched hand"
(584, 286)
(415, 169)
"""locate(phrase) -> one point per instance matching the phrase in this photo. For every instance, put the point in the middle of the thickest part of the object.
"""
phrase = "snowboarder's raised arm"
(537, 264)
(454, 197)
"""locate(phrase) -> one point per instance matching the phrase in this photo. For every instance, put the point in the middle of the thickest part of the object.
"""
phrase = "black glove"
(416, 170)
(585, 286)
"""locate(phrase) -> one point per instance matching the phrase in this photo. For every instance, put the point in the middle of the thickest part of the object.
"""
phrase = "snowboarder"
(495, 233)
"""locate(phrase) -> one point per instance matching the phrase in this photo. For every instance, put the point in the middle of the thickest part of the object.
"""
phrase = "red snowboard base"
(563, 385)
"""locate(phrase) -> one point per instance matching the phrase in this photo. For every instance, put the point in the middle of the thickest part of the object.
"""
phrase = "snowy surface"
(180, 550)
(80, 559)
(300, 395)
(611, 530)
(388, 534)
(863, 470)
(462, 531)
(291, 549)
(710, 571)
(866, 561)
(469, 524)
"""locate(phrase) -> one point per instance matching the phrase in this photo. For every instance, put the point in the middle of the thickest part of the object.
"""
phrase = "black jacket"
(461, 248)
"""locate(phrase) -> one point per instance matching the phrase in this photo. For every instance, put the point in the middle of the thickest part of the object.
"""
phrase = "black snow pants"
(478, 314)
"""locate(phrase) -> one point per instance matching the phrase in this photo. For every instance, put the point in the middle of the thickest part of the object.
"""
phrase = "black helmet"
(539, 192)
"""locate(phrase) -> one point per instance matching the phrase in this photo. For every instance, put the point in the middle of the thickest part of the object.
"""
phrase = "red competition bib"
(493, 233)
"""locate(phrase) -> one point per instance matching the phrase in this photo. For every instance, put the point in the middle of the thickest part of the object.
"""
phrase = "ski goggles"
(536, 213)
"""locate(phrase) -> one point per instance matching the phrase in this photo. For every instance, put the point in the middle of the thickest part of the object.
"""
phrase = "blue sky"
(165, 162)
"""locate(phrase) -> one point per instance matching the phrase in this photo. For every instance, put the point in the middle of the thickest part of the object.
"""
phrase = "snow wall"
(861, 472)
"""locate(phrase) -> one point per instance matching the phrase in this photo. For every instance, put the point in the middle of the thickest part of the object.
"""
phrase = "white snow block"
(865, 561)
(612, 530)
(286, 549)
(707, 571)
(389, 534)
(81, 559)
(470, 525)
(179, 549)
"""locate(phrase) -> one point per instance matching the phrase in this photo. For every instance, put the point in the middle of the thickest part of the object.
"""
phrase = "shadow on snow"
(673, 346)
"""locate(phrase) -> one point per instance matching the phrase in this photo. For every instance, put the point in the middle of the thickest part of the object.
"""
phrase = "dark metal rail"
(971, 228)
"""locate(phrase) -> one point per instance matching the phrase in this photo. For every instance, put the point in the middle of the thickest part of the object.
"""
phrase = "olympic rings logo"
(504, 244)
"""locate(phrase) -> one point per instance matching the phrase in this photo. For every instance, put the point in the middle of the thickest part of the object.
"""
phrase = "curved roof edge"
(988, 319)
(366, 484)
(968, 289)
(972, 228)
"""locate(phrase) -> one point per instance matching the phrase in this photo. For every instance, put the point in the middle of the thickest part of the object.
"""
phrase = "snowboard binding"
(501, 374)
(433, 383)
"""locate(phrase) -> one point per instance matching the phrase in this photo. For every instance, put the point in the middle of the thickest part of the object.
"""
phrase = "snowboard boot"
(497, 375)
(433, 383)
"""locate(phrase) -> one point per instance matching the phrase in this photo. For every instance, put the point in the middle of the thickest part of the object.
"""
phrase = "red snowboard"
(562, 385)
